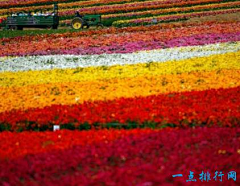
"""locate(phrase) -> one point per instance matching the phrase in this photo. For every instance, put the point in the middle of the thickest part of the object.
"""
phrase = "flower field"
(137, 103)
(139, 157)
(126, 12)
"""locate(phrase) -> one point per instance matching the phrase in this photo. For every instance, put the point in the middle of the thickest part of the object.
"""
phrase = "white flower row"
(74, 61)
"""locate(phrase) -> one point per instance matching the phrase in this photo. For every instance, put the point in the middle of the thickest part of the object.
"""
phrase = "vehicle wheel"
(99, 25)
(77, 23)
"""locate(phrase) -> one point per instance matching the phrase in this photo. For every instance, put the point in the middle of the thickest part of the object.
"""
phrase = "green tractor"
(80, 21)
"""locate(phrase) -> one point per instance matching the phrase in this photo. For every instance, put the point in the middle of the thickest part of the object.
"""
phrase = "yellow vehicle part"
(77, 23)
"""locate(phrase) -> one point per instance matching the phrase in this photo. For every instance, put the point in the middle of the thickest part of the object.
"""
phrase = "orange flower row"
(34, 96)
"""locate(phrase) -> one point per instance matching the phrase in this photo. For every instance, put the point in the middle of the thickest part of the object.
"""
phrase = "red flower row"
(210, 107)
(149, 159)
(15, 145)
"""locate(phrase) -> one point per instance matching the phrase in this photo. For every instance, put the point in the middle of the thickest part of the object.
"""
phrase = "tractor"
(81, 21)
(39, 20)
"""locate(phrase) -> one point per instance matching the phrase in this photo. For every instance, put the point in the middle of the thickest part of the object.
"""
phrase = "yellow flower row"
(33, 96)
(214, 62)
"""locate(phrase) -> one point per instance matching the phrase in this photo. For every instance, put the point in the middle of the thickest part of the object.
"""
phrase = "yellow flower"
(215, 62)
(42, 95)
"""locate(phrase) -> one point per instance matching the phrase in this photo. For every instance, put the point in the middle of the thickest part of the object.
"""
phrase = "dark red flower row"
(210, 107)
(15, 145)
(149, 159)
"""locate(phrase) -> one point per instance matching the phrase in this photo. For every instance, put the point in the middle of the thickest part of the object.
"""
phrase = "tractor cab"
(78, 15)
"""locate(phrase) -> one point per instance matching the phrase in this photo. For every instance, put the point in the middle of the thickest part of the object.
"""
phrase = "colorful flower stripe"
(151, 159)
(116, 7)
(49, 141)
(117, 47)
(120, 7)
(128, 43)
(127, 7)
(2, 18)
(106, 60)
(34, 96)
(215, 62)
(175, 17)
(205, 108)
(67, 3)
(175, 9)
(61, 5)
(114, 30)
(79, 4)
(11, 3)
